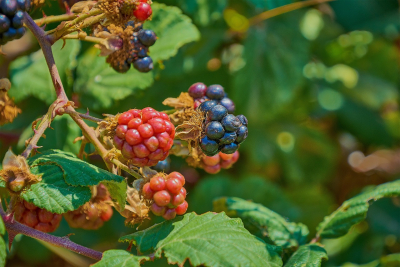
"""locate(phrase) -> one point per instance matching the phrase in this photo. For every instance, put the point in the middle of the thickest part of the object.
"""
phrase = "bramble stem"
(91, 39)
(35, 139)
(52, 19)
(83, 116)
(15, 228)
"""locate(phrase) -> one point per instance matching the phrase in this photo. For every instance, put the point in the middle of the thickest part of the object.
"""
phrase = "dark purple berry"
(147, 37)
(214, 130)
(24, 5)
(242, 133)
(206, 106)
(122, 67)
(20, 32)
(209, 147)
(229, 137)
(4, 23)
(229, 148)
(142, 53)
(242, 119)
(10, 35)
(197, 90)
(143, 64)
(228, 104)
(217, 113)
(231, 123)
(130, 23)
(216, 92)
(8, 7)
(17, 20)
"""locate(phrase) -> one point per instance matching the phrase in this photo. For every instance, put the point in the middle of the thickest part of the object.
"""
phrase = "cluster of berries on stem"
(12, 19)
(214, 93)
(34, 217)
(168, 195)
(144, 136)
(93, 214)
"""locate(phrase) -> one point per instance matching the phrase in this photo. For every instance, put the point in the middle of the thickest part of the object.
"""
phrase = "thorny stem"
(14, 228)
(38, 133)
(83, 116)
(51, 19)
(122, 166)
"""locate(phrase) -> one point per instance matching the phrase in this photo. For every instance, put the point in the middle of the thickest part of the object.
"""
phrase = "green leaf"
(2, 227)
(53, 193)
(100, 86)
(80, 173)
(204, 12)
(173, 30)
(3, 252)
(308, 255)
(271, 4)
(209, 239)
(264, 222)
(273, 58)
(30, 75)
(355, 210)
(119, 258)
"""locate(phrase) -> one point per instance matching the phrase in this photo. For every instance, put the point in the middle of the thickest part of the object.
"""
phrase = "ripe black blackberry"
(135, 51)
(201, 93)
(223, 132)
(11, 19)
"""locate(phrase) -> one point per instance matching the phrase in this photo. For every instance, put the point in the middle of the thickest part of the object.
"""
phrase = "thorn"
(64, 43)
(35, 131)
(36, 147)
(67, 8)
(87, 111)
(130, 246)
(68, 236)
(11, 237)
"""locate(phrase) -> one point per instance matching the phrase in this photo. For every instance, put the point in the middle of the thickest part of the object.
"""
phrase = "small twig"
(284, 9)
(83, 116)
(91, 39)
(122, 166)
(52, 19)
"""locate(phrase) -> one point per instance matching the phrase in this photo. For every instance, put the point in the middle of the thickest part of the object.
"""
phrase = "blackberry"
(228, 104)
(208, 105)
(242, 119)
(215, 91)
(198, 90)
(142, 52)
(224, 132)
(121, 67)
(143, 64)
(147, 37)
(231, 123)
(11, 19)
(215, 130)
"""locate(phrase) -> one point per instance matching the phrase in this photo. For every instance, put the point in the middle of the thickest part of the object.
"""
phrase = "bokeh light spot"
(311, 24)
(285, 141)
(330, 99)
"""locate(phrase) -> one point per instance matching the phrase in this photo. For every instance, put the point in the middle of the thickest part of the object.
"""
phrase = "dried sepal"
(83, 6)
(8, 110)
(183, 101)
(16, 173)
(192, 129)
(137, 209)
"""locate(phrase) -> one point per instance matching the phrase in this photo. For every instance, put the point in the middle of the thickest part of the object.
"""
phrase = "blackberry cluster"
(34, 217)
(168, 195)
(144, 136)
(223, 132)
(93, 214)
(220, 161)
(215, 93)
(11, 19)
(138, 49)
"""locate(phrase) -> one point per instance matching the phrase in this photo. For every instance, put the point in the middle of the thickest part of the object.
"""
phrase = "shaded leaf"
(307, 255)
(271, 4)
(209, 239)
(30, 75)
(264, 222)
(3, 252)
(119, 258)
(100, 86)
(355, 210)
(204, 12)
(53, 193)
(173, 30)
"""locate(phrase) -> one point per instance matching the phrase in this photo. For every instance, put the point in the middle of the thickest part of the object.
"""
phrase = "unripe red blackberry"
(168, 195)
(34, 217)
(143, 11)
(144, 136)
(220, 161)
(94, 213)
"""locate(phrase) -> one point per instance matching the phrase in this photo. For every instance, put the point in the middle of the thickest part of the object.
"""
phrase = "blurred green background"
(319, 85)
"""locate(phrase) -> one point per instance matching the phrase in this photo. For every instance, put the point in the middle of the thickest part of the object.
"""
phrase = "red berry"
(134, 123)
(145, 130)
(157, 183)
(182, 208)
(198, 90)
(141, 162)
(225, 156)
(133, 137)
(211, 161)
(121, 130)
(162, 198)
(157, 155)
(148, 115)
(124, 118)
(148, 109)
(141, 151)
(157, 210)
(178, 199)
(174, 185)
(151, 143)
(226, 164)
(118, 142)
(164, 116)
(163, 139)
(45, 216)
(106, 214)
(158, 125)
(183, 192)
(178, 176)
(29, 206)
(143, 11)
(135, 112)
(212, 169)
(30, 218)
(235, 156)
(169, 214)
(127, 151)
(147, 192)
